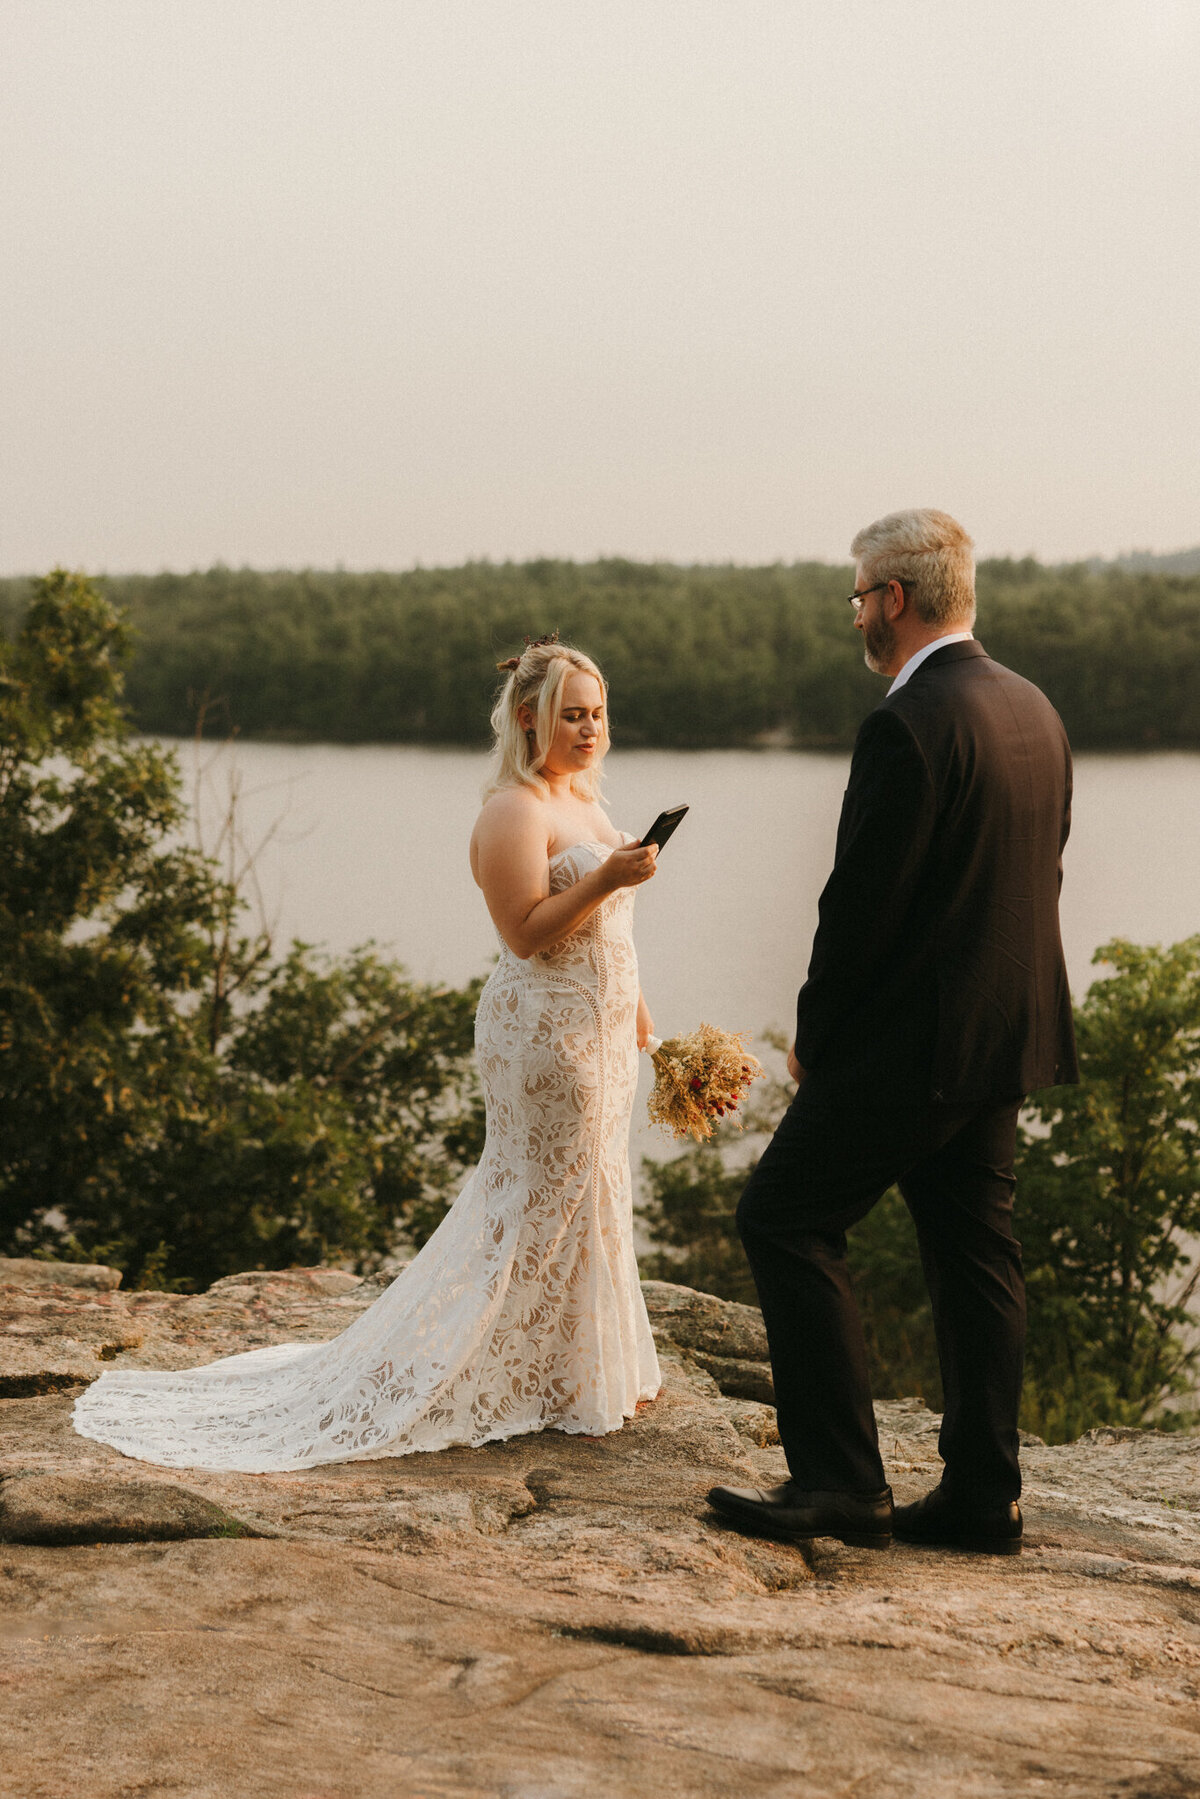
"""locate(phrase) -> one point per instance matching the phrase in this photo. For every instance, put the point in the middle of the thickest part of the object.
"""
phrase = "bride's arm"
(512, 865)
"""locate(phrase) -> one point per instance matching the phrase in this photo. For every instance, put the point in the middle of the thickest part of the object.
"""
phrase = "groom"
(936, 999)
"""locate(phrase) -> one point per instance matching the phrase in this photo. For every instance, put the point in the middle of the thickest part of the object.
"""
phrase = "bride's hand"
(645, 1024)
(629, 866)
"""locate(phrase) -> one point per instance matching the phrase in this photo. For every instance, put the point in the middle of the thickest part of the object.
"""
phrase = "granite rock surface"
(559, 1616)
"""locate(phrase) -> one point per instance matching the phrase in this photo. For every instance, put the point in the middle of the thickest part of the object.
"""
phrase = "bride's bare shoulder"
(512, 808)
(514, 815)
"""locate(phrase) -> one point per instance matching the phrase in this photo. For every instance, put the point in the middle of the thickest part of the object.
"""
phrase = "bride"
(523, 1311)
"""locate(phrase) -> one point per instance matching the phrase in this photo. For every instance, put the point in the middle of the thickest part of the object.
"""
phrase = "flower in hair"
(531, 643)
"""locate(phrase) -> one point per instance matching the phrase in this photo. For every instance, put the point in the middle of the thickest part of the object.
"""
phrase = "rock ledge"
(560, 1616)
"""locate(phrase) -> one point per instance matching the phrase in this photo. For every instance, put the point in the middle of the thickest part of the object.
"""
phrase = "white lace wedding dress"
(523, 1311)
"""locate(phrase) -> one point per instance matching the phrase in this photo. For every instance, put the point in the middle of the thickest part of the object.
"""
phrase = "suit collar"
(953, 652)
(926, 653)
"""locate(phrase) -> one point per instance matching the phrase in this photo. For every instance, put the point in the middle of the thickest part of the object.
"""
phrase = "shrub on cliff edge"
(173, 1098)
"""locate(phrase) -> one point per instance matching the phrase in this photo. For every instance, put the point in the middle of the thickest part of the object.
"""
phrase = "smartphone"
(663, 826)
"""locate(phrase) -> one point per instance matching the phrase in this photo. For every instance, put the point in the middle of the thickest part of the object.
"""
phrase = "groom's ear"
(894, 600)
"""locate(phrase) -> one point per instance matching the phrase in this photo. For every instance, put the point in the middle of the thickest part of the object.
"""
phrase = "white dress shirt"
(915, 660)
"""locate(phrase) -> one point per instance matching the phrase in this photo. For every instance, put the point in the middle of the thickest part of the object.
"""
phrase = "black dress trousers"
(838, 1149)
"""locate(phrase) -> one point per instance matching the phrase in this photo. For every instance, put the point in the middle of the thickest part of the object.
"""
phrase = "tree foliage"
(1110, 1199)
(705, 656)
(688, 1211)
(174, 1099)
(1108, 1212)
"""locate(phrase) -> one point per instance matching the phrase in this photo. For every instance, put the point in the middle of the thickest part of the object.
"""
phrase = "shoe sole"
(976, 1545)
(856, 1539)
(765, 1527)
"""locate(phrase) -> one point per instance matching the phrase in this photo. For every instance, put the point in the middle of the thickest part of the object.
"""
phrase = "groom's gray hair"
(931, 554)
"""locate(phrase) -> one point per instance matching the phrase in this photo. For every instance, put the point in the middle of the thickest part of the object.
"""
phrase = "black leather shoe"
(863, 1520)
(940, 1521)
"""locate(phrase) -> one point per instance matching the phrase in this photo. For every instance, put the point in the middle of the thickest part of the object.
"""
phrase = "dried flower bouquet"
(700, 1078)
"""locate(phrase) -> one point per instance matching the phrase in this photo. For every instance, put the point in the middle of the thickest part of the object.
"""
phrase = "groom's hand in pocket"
(793, 1067)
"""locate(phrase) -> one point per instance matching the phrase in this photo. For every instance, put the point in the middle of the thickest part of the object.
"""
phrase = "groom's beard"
(879, 645)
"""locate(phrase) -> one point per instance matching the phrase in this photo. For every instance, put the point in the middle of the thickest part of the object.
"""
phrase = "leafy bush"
(1109, 1198)
(173, 1099)
(689, 1212)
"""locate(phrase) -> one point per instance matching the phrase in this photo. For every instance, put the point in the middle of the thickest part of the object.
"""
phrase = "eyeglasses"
(856, 599)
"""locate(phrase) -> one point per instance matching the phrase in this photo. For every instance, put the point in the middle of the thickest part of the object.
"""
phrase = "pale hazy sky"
(384, 281)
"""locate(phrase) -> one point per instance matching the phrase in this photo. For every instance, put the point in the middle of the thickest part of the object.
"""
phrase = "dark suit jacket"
(937, 969)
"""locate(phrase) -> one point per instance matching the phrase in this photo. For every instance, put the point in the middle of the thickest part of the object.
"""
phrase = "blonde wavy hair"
(536, 679)
(930, 554)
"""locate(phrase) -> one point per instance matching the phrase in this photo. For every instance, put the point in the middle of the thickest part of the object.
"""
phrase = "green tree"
(394, 1057)
(700, 655)
(688, 1211)
(172, 1098)
(1109, 1198)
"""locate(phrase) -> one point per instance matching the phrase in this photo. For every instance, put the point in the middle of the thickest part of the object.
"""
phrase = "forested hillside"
(695, 655)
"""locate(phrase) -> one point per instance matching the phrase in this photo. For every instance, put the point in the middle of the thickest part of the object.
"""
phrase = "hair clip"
(531, 643)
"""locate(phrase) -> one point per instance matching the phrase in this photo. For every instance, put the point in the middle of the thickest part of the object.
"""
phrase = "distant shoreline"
(698, 656)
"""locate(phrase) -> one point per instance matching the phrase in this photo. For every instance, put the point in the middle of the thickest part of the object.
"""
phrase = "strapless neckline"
(589, 843)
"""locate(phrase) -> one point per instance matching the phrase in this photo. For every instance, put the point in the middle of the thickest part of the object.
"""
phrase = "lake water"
(358, 842)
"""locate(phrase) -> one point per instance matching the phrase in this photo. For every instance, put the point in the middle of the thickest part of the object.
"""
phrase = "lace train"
(522, 1312)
